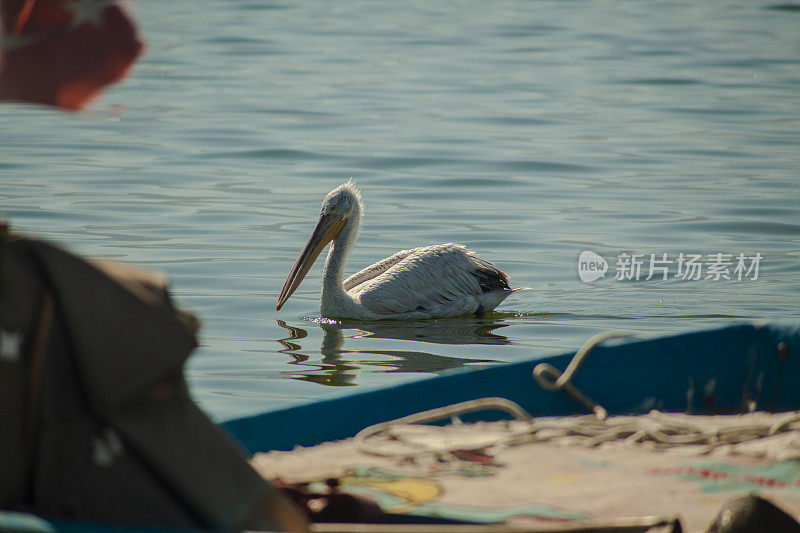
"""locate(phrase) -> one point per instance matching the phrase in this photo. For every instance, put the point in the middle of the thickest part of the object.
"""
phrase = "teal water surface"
(529, 131)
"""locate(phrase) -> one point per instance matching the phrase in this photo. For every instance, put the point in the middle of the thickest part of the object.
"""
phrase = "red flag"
(63, 52)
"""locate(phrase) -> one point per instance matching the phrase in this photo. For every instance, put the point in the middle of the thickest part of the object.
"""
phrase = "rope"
(549, 378)
(450, 411)
(657, 429)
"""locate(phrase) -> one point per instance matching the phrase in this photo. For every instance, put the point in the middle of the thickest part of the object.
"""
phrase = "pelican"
(443, 280)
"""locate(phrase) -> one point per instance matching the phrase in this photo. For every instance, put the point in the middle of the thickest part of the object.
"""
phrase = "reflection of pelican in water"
(339, 366)
(461, 331)
(445, 280)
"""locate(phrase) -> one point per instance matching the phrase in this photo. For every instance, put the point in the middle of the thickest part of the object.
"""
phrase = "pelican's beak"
(327, 229)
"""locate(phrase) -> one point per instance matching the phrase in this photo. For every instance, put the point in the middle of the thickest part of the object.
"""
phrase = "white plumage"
(444, 280)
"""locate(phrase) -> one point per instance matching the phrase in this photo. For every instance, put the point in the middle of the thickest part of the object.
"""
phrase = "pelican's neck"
(333, 278)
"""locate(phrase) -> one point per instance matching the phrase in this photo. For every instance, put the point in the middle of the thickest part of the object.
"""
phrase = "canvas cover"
(95, 417)
(501, 473)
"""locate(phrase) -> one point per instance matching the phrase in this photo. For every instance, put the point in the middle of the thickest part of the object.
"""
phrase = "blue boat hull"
(716, 371)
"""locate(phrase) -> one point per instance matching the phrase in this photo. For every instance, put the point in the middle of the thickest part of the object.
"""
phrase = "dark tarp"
(95, 416)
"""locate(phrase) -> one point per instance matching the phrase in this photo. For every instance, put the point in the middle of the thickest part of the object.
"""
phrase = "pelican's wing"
(375, 269)
(430, 278)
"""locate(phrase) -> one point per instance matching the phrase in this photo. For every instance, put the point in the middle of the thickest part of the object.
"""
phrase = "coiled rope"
(549, 378)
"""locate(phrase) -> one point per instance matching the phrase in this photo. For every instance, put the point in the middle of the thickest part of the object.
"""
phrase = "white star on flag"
(87, 11)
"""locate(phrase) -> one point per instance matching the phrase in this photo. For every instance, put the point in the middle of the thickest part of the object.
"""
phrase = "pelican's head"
(341, 204)
(344, 201)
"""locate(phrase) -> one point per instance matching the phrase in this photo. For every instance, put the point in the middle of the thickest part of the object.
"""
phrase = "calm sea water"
(530, 131)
